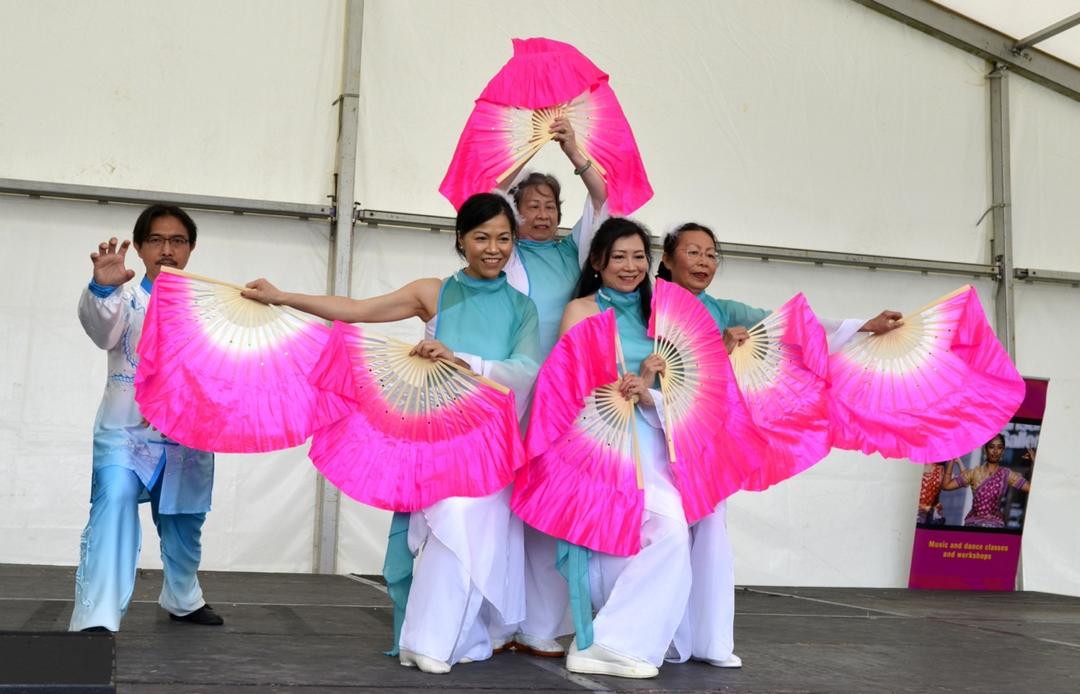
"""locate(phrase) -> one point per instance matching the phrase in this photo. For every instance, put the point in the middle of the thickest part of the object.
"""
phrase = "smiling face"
(627, 266)
(539, 213)
(487, 247)
(995, 450)
(166, 243)
(693, 264)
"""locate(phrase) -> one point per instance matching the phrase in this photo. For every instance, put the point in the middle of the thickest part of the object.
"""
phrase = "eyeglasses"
(695, 254)
(156, 241)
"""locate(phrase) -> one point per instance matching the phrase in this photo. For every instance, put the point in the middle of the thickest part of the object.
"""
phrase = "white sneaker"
(548, 648)
(732, 661)
(597, 660)
(423, 663)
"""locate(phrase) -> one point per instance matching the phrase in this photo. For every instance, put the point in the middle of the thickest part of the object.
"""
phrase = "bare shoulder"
(577, 311)
(425, 292)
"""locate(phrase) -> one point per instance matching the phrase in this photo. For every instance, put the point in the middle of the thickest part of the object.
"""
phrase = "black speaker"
(44, 662)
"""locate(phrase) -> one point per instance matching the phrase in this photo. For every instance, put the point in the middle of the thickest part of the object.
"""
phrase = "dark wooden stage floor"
(302, 633)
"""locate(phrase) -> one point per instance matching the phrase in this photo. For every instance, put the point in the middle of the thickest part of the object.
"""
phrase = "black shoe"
(205, 615)
(104, 629)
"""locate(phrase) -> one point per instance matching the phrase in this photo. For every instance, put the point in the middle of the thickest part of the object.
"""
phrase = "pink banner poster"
(970, 515)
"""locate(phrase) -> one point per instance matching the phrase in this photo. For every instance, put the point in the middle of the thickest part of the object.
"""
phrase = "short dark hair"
(478, 209)
(142, 224)
(671, 244)
(613, 229)
(535, 180)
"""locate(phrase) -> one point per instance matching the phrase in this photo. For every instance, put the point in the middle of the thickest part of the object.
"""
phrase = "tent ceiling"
(1020, 18)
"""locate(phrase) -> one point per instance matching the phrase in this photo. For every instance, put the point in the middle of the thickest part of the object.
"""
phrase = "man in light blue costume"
(133, 462)
(546, 269)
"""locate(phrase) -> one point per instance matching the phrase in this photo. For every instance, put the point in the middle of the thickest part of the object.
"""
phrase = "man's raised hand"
(108, 260)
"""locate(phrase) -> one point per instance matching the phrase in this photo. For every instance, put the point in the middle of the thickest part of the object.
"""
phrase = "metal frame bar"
(1030, 275)
(328, 497)
(1001, 245)
(994, 46)
(71, 191)
(1043, 34)
(738, 250)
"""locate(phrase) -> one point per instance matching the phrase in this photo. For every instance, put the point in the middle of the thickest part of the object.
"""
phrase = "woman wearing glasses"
(707, 631)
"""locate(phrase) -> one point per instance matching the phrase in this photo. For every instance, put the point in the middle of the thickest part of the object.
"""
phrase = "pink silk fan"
(219, 372)
(782, 371)
(933, 389)
(419, 431)
(713, 443)
(583, 482)
(544, 80)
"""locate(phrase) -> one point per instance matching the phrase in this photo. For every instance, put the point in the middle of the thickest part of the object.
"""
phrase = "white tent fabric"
(216, 98)
(816, 124)
(1045, 146)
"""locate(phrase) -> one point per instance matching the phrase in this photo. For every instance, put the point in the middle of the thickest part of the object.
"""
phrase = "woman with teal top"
(543, 267)
(467, 591)
(707, 631)
(546, 269)
(640, 599)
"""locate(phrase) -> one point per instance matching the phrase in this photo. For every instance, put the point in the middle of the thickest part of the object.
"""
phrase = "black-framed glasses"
(155, 241)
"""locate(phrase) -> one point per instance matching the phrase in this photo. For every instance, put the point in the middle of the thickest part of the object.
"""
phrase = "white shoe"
(732, 661)
(548, 648)
(423, 663)
(597, 660)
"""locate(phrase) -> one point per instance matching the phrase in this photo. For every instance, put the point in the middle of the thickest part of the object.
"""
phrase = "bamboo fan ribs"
(932, 389)
(757, 362)
(713, 444)
(418, 431)
(527, 131)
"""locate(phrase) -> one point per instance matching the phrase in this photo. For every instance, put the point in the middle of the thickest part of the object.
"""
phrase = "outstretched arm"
(419, 299)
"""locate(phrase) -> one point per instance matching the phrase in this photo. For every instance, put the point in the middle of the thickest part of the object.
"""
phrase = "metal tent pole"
(328, 498)
(1001, 246)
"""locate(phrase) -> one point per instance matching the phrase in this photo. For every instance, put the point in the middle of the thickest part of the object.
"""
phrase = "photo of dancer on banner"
(990, 483)
(971, 509)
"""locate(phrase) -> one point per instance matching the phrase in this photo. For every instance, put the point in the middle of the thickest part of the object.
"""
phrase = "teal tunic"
(553, 271)
(729, 313)
(633, 328)
(489, 319)
(548, 271)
